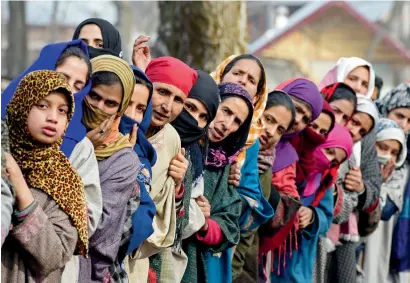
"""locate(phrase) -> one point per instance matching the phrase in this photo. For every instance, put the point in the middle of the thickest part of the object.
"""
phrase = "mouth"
(49, 131)
(160, 116)
(218, 133)
(263, 139)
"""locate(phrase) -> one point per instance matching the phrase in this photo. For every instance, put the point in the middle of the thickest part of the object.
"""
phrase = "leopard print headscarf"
(44, 166)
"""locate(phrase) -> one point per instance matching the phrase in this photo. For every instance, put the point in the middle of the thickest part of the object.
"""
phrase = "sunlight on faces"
(167, 103)
(321, 125)
(389, 147)
(231, 114)
(247, 73)
(343, 110)
(138, 103)
(75, 70)
(92, 36)
(107, 98)
(197, 110)
(402, 117)
(303, 116)
(47, 120)
(276, 119)
(359, 126)
(358, 80)
(335, 155)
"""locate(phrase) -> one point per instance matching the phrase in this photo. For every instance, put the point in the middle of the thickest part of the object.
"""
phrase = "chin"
(156, 123)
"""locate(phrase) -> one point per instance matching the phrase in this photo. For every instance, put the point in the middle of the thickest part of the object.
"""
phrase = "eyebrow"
(49, 101)
(165, 88)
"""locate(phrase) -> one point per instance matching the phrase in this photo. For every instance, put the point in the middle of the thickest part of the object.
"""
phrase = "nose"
(52, 115)
(167, 105)
(227, 124)
(353, 131)
(271, 130)
(242, 80)
(357, 87)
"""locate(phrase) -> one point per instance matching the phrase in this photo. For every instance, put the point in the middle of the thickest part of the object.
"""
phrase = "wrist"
(205, 227)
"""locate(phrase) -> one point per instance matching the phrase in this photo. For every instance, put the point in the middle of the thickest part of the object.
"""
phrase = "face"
(359, 126)
(167, 104)
(107, 98)
(343, 110)
(335, 155)
(47, 120)
(277, 120)
(303, 116)
(322, 124)
(92, 36)
(358, 79)
(198, 110)
(402, 117)
(138, 103)
(75, 70)
(245, 72)
(231, 114)
(389, 147)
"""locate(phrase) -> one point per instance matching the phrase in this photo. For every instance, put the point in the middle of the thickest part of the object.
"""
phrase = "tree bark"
(17, 51)
(54, 23)
(202, 33)
(124, 26)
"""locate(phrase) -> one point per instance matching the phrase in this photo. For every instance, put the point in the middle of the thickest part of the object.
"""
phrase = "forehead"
(249, 66)
(198, 103)
(282, 115)
(140, 94)
(365, 120)
(169, 87)
(301, 104)
(392, 144)
(57, 97)
(73, 64)
(237, 105)
(402, 110)
(90, 31)
(343, 105)
(362, 72)
(109, 92)
(324, 118)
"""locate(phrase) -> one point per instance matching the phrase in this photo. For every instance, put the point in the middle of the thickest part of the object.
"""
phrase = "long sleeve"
(7, 201)
(370, 168)
(47, 234)
(213, 236)
(323, 215)
(83, 160)
(118, 176)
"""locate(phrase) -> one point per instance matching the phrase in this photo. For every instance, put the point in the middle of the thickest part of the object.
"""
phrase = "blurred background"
(292, 38)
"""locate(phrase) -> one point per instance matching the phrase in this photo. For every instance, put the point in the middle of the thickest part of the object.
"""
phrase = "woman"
(353, 71)
(221, 202)
(51, 213)
(314, 216)
(391, 149)
(70, 59)
(192, 126)
(342, 99)
(101, 37)
(278, 117)
(112, 86)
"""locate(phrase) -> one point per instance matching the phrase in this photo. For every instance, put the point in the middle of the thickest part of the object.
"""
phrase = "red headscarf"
(170, 70)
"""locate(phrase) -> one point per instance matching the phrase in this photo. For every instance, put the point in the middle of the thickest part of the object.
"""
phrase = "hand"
(178, 167)
(133, 136)
(96, 136)
(204, 205)
(387, 169)
(23, 194)
(234, 175)
(305, 217)
(354, 180)
(265, 159)
(141, 55)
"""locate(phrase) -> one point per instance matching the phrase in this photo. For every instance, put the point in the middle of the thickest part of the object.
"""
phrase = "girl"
(51, 216)
(342, 99)
(220, 203)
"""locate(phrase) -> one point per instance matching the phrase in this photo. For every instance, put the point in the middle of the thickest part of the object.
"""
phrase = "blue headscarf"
(143, 216)
(47, 60)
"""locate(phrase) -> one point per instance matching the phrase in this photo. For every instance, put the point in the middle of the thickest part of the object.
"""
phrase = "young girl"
(51, 216)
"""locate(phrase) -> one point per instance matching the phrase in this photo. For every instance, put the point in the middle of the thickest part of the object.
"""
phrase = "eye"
(305, 120)
(188, 106)
(178, 99)
(323, 132)
(141, 109)
(42, 105)
(204, 117)
(281, 131)
(63, 110)
(162, 92)
(100, 45)
(252, 81)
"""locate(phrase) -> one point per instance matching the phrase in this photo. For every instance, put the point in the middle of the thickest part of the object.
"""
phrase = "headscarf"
(329, 110)
(225, 152)
(205, 90)
(44, 166)
(257, 125)
(142, 217)
(366, 105)
(93, 116)
(170, 70)
(47, 60)
(332, 89)
(306, 91)
(343, 67)
(398, 97)
(110, 35)
(339, 137)
(389, 130)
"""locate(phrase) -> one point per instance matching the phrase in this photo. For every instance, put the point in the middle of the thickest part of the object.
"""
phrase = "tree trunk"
(54, 23)
(17, 38)
(202, 33)
(124, 26)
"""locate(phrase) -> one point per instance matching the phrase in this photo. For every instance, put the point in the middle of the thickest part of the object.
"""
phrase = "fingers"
(350, 185)
(183, 151)
(133, 138)
(141, 39)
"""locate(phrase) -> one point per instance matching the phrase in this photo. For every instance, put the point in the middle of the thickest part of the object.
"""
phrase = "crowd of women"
(158, 172)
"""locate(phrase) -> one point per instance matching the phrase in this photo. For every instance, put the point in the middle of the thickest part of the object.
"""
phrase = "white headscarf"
(365, 105)
(343, 67)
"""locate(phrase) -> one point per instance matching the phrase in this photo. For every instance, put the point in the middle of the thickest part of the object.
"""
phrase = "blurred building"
(307, 41)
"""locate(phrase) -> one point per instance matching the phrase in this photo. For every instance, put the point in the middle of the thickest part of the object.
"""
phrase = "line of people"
(159, 172)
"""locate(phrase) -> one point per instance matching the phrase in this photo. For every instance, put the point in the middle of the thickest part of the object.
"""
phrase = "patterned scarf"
(93, 117)
(398, 97)
(45, 166)
(257, 125)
